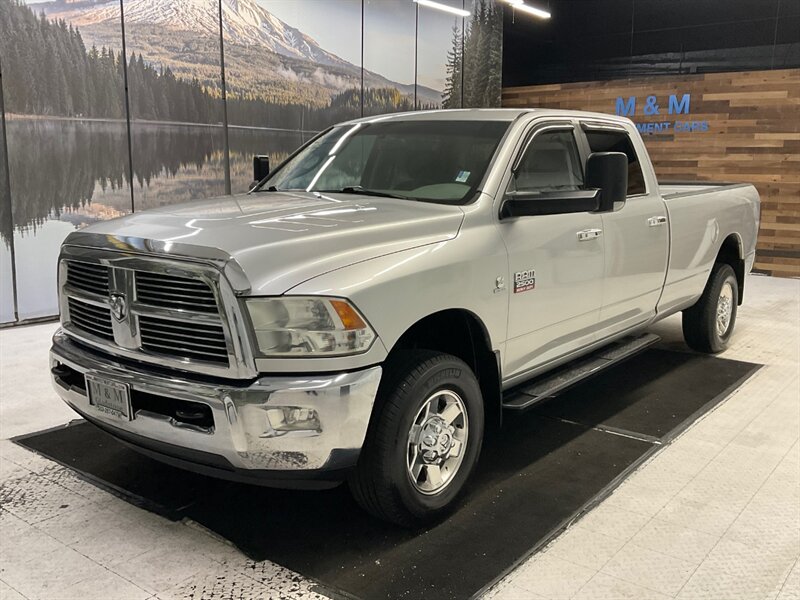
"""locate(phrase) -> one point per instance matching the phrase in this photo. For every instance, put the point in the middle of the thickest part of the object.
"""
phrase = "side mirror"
(260, 168)
(608, 172)
(524, 204)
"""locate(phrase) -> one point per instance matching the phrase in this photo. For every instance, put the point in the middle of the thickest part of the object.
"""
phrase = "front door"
(555, 261)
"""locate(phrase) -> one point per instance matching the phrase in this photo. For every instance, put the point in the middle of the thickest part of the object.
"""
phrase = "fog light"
(284, 419)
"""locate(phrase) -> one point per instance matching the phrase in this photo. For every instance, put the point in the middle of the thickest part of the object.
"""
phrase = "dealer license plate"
(109, 397)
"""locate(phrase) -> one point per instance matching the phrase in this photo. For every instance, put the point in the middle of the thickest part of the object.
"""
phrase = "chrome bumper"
(248, 433)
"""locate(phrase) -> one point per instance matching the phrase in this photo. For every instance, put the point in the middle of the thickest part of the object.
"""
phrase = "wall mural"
(389, 48)
(64, 118)
(292, 68)
(7, 232)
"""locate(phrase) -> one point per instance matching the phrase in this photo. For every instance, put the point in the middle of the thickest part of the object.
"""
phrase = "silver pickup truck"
(368, 311)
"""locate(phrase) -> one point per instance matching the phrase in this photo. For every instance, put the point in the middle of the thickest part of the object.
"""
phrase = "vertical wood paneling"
(753, 136)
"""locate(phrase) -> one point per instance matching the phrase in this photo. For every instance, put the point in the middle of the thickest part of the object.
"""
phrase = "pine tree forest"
(475, 60)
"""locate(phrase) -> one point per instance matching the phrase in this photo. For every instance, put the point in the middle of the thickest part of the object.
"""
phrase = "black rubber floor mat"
(652, 394)
(535, 475)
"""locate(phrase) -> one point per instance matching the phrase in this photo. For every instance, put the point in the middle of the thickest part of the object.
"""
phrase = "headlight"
(298, 326)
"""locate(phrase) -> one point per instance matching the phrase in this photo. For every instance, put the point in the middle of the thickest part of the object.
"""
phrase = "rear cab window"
(604, 140)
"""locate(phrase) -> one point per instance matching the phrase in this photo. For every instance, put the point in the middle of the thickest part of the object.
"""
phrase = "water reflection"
(66, 174)
(6, 283)
(6, 274)
(247, 142)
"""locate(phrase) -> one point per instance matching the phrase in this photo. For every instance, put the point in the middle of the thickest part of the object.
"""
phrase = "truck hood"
(283, 239)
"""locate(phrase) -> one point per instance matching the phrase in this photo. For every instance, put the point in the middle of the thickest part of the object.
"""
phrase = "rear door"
(555, 274)
(636, 236)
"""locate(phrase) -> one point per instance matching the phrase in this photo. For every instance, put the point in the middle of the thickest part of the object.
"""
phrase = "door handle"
(656, 221)
(589, 234)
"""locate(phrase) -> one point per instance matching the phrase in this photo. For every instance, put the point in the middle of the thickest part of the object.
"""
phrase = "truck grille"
(184, 340)
(88, 277)
(92, 319)
(169, 313)
(170, 291)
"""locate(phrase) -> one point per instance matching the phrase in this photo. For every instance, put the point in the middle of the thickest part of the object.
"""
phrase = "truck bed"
(674, 189)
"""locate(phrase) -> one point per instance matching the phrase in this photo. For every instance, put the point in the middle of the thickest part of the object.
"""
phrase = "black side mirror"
(260, 168)
(525, 204)
(608, 172)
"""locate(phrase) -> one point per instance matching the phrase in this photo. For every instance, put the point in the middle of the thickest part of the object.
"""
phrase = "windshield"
(441, 161)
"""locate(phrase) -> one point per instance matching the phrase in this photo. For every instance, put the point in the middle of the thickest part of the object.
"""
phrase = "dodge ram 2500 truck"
(372, 306)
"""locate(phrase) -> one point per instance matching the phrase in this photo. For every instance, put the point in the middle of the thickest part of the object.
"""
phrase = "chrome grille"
(194, 341)
(93, 319)
(170, 291)
(89, 277)
(164, 312)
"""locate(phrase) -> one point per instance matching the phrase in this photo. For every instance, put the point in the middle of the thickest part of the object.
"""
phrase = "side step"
(550, 384)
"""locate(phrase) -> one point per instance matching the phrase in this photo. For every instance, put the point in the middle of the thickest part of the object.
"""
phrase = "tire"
(708, 325)
(382, 482)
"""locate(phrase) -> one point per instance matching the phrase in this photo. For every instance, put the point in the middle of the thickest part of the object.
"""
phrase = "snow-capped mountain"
(262, 52)
(244, 22)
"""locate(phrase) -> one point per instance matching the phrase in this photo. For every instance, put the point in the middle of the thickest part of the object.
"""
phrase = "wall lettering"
(677, 104)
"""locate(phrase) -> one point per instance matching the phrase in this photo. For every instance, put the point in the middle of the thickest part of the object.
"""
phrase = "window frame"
(531, 136)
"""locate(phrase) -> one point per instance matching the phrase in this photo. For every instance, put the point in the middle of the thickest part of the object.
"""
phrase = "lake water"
(65, 175)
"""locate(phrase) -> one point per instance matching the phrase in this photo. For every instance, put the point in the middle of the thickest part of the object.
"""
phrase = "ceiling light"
(537, 12)
(444, 7)
(514, 2)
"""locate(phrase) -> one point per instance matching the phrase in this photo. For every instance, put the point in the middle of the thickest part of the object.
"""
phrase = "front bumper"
(242, 443)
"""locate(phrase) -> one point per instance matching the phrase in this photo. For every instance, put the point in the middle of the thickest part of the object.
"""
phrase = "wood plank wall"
(753, 136)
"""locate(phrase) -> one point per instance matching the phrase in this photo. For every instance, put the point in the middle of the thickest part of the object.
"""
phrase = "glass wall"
(67, 145)
(6, 227)
(482, 58)
(291, 68)
(309, 80)
(389, 41)
(439, 53)
(175, 95)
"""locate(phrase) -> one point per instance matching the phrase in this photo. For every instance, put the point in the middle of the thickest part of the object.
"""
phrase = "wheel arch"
(731, 252)
(463, 334)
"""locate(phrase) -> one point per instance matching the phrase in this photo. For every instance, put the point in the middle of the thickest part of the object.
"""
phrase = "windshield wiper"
(357, 189)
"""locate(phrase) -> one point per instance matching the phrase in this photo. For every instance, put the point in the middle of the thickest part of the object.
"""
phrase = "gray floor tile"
(605, 587)
(649, 569)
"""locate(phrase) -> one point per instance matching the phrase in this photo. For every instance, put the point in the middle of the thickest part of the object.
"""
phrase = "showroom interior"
(150, 154)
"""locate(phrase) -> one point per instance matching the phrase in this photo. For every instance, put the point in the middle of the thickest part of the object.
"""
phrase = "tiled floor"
(716, 514)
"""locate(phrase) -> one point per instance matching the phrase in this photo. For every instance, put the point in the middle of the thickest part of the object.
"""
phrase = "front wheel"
(708, 325)
(424, 439)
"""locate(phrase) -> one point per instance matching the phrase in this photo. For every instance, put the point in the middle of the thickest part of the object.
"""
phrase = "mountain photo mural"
(270, 65)
(292, 68)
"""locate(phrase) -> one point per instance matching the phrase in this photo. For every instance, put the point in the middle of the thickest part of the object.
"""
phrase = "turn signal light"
(348, 315)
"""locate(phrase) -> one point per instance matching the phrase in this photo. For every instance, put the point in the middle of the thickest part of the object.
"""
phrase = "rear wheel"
(708, 325)
(424, 439)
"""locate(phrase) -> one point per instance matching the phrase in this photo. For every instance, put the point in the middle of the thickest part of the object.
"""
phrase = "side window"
(551, 163)
(619, 141)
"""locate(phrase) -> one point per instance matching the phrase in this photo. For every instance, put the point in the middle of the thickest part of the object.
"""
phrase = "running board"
(551, 384)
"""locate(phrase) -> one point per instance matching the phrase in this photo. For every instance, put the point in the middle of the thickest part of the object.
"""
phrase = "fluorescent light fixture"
(444, 7)
(531, 10)
(514, 2)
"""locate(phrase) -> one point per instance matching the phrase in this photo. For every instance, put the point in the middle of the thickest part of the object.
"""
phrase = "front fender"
(397, 290)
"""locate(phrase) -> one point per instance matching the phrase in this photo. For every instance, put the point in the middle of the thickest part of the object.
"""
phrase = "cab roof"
(484, 114)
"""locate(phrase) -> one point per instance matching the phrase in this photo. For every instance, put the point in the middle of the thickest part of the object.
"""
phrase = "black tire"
(381, 483)
(700, 321)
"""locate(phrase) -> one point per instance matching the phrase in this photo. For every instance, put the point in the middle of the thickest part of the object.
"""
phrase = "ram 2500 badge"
(368, 311)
